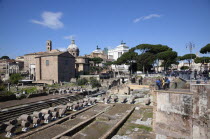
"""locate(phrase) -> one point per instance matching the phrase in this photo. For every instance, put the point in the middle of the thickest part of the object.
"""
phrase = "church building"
(81, 62)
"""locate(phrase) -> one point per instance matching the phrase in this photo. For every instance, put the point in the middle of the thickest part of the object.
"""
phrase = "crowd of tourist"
(190, 74)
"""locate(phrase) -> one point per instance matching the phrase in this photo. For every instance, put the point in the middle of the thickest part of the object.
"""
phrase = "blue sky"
(25, 25)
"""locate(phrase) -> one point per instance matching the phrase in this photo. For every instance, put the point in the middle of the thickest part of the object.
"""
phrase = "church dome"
(72, 46)
(73, 49)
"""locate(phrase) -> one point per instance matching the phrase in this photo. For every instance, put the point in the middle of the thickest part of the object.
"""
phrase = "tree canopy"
(205, 49)
(168, 57)
(202, 60)
(96, 60)
(188, 57)
(4, 57)
(146, 55)
(152, 48)
(127, 57)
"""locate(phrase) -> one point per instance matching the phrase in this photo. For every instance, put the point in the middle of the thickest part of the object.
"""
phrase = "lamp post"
(190, 46)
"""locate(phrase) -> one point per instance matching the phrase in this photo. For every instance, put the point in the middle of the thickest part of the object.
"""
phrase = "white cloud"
(50, 19)
(62, 49)
(69, 37)
(146, 17)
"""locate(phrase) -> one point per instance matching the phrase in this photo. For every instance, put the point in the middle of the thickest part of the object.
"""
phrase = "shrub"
(5, 96)
(82, 81)
(14, 78)
(22, 96)
(30, 89)
(94, 82)
(37, 95)
(2, 87)
(184, 67)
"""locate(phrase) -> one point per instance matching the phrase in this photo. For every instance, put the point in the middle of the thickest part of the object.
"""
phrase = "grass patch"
(148, 115)
(143, 127)
(149, 129)
(30, 89)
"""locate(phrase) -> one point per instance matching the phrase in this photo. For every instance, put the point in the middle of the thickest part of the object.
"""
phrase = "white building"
(114, 54)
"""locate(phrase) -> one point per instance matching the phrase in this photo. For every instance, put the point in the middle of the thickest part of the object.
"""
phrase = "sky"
(26, 25)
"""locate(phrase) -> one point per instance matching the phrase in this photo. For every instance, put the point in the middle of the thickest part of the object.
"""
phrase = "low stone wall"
(50, 82)
(89, 76)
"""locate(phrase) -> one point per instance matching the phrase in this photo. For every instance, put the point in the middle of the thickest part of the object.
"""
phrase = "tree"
(146, 56)
(153, 51)
(145, 61)
(14, 78)
(168, 57)
(94, 82)
(184, 67)
(188, 57)
(202, 60)
(4, 57)
(128, 58)
(2, 87)
(205, 49)
(82, 81)
(96, 60)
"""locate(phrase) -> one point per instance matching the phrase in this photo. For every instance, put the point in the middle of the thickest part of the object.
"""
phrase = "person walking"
(205, 75)
(175, 83)
(167, 82)
(140, 80)
(158, 83)
(195, 74)
(163, 83)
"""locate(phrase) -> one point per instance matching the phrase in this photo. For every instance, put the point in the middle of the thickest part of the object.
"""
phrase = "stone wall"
(182, 114)
(47, 72)
(66, 69)
(172, 114)
(201, 111)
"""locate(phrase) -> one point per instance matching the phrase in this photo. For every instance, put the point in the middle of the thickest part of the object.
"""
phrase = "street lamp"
(190, 46)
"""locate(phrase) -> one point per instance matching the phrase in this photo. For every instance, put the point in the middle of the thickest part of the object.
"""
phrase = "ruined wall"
(182, 114)
(201, 111)
(172, 114)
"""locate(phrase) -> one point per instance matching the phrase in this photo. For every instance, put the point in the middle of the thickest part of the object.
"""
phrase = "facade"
(81, 65)
(55, 67)
(20, 58)
(114, 54)
(10, 66)
(30, 60)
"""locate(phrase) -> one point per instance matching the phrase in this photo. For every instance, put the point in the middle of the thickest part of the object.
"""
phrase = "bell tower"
(49, 45)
